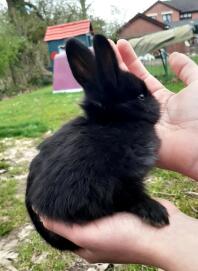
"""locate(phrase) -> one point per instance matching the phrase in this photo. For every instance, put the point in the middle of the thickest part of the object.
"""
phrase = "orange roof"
(67, 30)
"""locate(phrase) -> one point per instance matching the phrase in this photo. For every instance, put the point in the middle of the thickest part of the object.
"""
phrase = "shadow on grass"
(26, 129)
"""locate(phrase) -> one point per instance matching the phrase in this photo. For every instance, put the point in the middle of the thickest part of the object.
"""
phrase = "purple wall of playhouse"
(63, 80)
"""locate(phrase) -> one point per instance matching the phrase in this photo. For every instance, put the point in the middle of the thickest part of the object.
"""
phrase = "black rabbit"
(95, 165)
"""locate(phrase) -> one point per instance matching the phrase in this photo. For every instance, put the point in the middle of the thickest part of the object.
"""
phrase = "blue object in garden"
(56, 36)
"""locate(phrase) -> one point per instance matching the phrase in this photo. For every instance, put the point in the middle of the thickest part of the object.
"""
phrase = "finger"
(64, 230)
(135, 66)
(184, 67)
(118, 56)
(86, 254)
(81, 235)
(131, 60)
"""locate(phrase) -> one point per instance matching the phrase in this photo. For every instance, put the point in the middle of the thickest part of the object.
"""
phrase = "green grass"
(26, 129)
(171, 82)
(2, 147)
(175, 87)
(32, 114)
(17, 170)
(173, 186)
(195, 59)
(4, 165)
(34, 247)
(12, 210)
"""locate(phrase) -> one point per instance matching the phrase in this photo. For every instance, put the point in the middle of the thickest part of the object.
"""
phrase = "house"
(56, 36)
(173, 10)
(170, 14)
(140, 25)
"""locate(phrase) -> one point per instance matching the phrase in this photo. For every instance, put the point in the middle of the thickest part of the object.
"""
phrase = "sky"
(127, 8)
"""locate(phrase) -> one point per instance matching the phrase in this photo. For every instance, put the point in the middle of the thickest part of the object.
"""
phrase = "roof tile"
(184, 5)
(67, 30)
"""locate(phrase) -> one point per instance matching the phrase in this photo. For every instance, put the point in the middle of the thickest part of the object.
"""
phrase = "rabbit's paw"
(152, 212)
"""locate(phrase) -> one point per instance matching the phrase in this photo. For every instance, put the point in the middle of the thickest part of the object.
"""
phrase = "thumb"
(184, 67)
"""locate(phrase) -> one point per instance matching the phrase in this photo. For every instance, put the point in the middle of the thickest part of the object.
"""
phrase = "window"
(167, 18)
(196, 29)
(186, 16)
(194, 41)
(152, 15)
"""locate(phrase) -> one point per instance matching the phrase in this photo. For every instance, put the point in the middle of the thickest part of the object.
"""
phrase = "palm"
(178, 126)
(109, 239)
(185, 107)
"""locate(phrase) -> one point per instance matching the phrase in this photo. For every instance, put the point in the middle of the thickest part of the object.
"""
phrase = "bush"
(10, 46)
(24, 55)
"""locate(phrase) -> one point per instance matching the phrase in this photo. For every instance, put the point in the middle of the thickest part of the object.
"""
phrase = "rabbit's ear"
(82, 63)
(106, 62)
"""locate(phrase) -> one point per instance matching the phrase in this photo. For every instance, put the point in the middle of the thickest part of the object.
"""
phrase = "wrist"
(175, 246)
(175, 153)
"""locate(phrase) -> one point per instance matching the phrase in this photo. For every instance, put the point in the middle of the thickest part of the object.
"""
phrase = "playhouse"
(56, 37)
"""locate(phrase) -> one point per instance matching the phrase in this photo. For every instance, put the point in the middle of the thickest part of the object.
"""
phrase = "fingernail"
(44, 222)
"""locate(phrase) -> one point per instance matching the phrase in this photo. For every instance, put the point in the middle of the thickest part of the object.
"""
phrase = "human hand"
(123, 238)
(178, 126)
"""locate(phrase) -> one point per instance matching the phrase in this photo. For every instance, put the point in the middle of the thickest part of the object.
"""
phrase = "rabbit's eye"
(141, 97)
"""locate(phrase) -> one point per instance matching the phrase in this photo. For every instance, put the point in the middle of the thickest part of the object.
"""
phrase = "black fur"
(95, 165)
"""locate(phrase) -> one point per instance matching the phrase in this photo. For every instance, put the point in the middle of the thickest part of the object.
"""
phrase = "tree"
(23, 15)
(21, 7)
(98, 24)
(11, 46)
(111, 30)
(25, 57)
(84, 8)
(113, 26)
(80, 8)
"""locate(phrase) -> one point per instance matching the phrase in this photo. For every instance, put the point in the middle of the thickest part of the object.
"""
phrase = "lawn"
(34, 113)
(30, 116)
